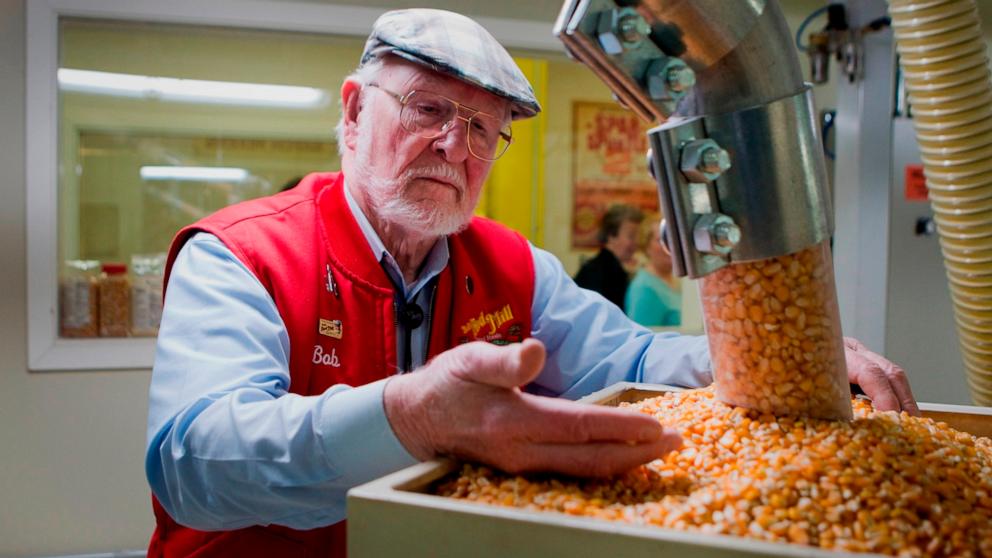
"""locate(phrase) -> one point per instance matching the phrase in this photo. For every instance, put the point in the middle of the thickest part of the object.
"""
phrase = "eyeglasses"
(430, 115)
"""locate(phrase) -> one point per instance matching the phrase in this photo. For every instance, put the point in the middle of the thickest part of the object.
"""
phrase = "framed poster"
(608, 161)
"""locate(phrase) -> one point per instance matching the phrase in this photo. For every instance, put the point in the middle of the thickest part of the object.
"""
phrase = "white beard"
(390, 200)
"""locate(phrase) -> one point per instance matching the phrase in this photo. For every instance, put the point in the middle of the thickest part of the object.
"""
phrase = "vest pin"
(469, 284)
(332, 286)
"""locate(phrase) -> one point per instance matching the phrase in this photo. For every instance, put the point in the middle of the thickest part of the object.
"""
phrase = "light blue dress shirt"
(230, 447)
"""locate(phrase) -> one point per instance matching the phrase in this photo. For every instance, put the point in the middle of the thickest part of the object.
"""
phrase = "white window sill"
(123, 353)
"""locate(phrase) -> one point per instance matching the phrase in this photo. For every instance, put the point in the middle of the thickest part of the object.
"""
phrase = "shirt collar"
(433, 265)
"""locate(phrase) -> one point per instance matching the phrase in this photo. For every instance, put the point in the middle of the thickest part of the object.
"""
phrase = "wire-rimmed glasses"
(430, 115)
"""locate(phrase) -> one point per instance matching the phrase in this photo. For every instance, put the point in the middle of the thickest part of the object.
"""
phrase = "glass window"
(160, 126)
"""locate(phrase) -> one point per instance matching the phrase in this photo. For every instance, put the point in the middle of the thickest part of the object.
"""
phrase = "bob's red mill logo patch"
(331, 328)
(493, 320)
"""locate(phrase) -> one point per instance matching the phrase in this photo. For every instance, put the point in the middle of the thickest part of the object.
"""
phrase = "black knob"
(925, 226)
(410, 315)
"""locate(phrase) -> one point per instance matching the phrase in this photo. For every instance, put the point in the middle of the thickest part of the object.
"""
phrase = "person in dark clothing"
(291, 183)
(618, 235)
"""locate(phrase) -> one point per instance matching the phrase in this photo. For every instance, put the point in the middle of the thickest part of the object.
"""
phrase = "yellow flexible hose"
(943, 60)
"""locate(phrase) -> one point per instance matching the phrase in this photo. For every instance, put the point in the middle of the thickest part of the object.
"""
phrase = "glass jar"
(774, 333)
(79, 296)
(115, 301)
(146, 293)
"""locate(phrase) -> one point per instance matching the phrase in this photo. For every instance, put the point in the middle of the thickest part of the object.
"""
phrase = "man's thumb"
(507, 366)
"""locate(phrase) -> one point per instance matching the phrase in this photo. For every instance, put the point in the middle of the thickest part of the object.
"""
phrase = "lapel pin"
(332, 286)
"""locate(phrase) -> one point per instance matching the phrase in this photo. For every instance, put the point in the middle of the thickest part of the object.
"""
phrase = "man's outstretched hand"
(467, 403)
(882, 380)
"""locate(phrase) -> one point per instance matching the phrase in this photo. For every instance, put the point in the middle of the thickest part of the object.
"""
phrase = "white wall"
(71, 442)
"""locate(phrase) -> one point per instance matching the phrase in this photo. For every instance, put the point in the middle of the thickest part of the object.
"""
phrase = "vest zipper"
(428, 314)
(408, 354)
(403, 352)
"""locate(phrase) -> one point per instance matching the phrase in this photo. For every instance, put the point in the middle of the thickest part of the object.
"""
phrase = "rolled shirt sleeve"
(228, 445)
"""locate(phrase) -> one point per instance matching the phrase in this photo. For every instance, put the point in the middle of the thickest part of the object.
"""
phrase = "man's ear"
(351, 106)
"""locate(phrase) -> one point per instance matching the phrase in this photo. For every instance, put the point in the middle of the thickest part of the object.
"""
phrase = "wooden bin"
(395, 516)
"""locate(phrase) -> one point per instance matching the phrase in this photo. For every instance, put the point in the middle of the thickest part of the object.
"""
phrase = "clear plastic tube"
(774, 332)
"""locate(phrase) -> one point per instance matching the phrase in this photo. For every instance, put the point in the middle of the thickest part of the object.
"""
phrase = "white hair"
(363, 75)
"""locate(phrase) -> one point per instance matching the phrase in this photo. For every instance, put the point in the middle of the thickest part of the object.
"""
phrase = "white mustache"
(444, 173)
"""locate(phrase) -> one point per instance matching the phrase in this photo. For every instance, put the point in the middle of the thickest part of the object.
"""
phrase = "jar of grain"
(146, 293)
(115, 301)
(79, 311)
(775, 337)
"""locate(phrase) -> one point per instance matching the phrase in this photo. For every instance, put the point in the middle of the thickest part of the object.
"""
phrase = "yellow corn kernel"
(885, 483)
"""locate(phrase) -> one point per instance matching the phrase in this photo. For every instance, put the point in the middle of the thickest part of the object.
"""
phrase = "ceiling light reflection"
(201, 174)
(191, 90)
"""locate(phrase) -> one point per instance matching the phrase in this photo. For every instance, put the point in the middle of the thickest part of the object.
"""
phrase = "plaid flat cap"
(452, 44)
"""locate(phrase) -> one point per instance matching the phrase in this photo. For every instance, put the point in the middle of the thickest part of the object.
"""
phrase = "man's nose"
(453, 144)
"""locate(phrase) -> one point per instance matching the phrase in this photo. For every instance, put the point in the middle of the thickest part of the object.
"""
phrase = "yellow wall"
(568, 82)
(514, 193)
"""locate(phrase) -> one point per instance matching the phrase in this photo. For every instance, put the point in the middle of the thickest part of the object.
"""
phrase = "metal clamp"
(725, 194)
(621, 44)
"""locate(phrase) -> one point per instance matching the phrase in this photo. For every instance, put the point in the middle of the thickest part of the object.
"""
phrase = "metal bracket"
(725, 194)
(620, 45)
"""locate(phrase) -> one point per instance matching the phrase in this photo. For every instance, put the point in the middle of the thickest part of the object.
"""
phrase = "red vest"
(337, 303)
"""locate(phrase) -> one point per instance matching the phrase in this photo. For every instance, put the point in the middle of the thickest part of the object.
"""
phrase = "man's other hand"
(882, 380)
(467, 403)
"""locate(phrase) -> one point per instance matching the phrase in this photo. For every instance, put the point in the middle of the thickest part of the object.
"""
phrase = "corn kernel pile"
(885, 483)
(772, 321)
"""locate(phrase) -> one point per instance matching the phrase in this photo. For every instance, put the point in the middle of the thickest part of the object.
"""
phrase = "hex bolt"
(632, 28)
(681, 78)
(715, 233)
(703, 160)
(715, 161)
(620, 30)
(668, 79)
(726, 234)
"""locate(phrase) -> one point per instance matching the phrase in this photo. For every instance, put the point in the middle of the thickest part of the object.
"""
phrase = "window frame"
(46, 350)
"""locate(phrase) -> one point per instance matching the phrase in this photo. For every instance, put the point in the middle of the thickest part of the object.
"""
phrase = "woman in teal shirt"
(654, 297)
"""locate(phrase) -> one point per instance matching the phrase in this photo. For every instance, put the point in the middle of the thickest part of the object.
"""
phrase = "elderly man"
(350, 326)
